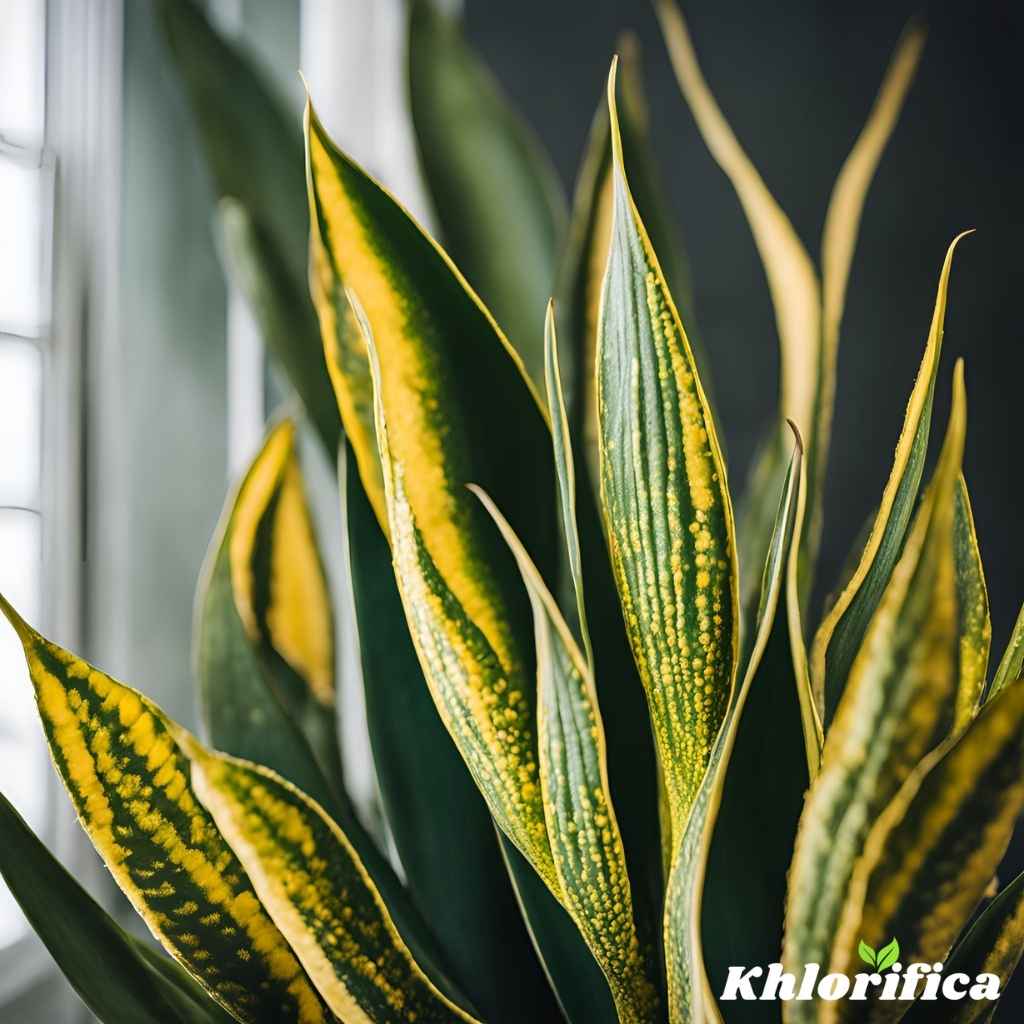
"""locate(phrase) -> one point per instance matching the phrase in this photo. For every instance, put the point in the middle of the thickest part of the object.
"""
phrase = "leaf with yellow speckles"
(690, 998)
(129, 778)
(666, 506)
(589, 859)
(119, 978)
(265, 628)
(972, 602)
(808, 313)
(994, 944)
(458, 409)
(1011, 665)
(498, 200)
(253, 146)
(841, 633)
(933, 852)
(897, 706)
(583, 264)
(317, 890)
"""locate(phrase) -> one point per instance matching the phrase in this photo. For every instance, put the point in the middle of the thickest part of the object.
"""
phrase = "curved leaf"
(128, 777)
(897, 706)
(439, 822)
(666, 505)
(807, 315)
(842, 631)
(254, 150)
(265, 628)
(975, 626)
(691, 1000)
(315, 887)
(111, 972)
(453, 407)
(933, 852)
(497, 197)
(1011, 665)
(589, 859)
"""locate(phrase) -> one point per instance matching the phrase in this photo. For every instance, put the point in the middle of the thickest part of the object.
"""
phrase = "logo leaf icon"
(888, 955)
(867, 954)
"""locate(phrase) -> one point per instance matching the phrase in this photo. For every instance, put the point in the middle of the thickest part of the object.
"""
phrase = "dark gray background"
(796, 80)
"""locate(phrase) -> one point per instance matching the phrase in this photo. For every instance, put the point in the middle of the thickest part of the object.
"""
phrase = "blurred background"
(133, 384)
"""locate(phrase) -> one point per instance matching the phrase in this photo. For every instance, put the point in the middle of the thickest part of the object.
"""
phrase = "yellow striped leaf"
(993, 945)
(666, 505)
(972, 602)
(265, 629)
(932, 854)
(128, 776)
(589, 859)
(691, 1000)
(1011, 665)
(842, 631)
(315, 887)
(807, 315)
(897, 706)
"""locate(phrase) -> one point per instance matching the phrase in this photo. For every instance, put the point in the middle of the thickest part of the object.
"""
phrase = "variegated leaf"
(129, 779)
(666, 505)
(119, 978)
(589, 859)
(972, 603)
(842, 631)
(1011, 665)
(314, 885)
(897, 706)
(265, 628)
(933, 852)
(498, 200)
(808, 314)
(691, 1000)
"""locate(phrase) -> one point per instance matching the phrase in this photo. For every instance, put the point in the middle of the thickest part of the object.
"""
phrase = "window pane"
(22, 89)
(21, 746)
(20, 246)
(20, 368)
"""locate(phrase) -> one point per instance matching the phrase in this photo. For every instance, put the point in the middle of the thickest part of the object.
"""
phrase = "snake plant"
(622, 776)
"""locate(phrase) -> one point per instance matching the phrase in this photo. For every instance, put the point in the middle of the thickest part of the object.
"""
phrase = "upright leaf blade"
(129, 780)
(842, 631)
(105, 966)
(1011, 665)
(315, 886)
(589, 859)
(691, 1000)
(897, 706)
(972, 608)
(931, 855)
(439, 822)
(497, 197)
(666, 505)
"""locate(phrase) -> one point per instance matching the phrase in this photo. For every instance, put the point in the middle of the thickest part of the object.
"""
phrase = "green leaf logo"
(888, 955)
(867, 954)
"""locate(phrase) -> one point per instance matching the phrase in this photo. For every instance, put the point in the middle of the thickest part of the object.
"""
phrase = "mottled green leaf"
(1011, 665)
(498, 200)
(932, 853)
(897, 706)
(975, 626)
(253, 146)
(129, 779)
(111, 972)
(842, 631)
(317, 890)
(666, 506)
(691, 1000)
(437, 818)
